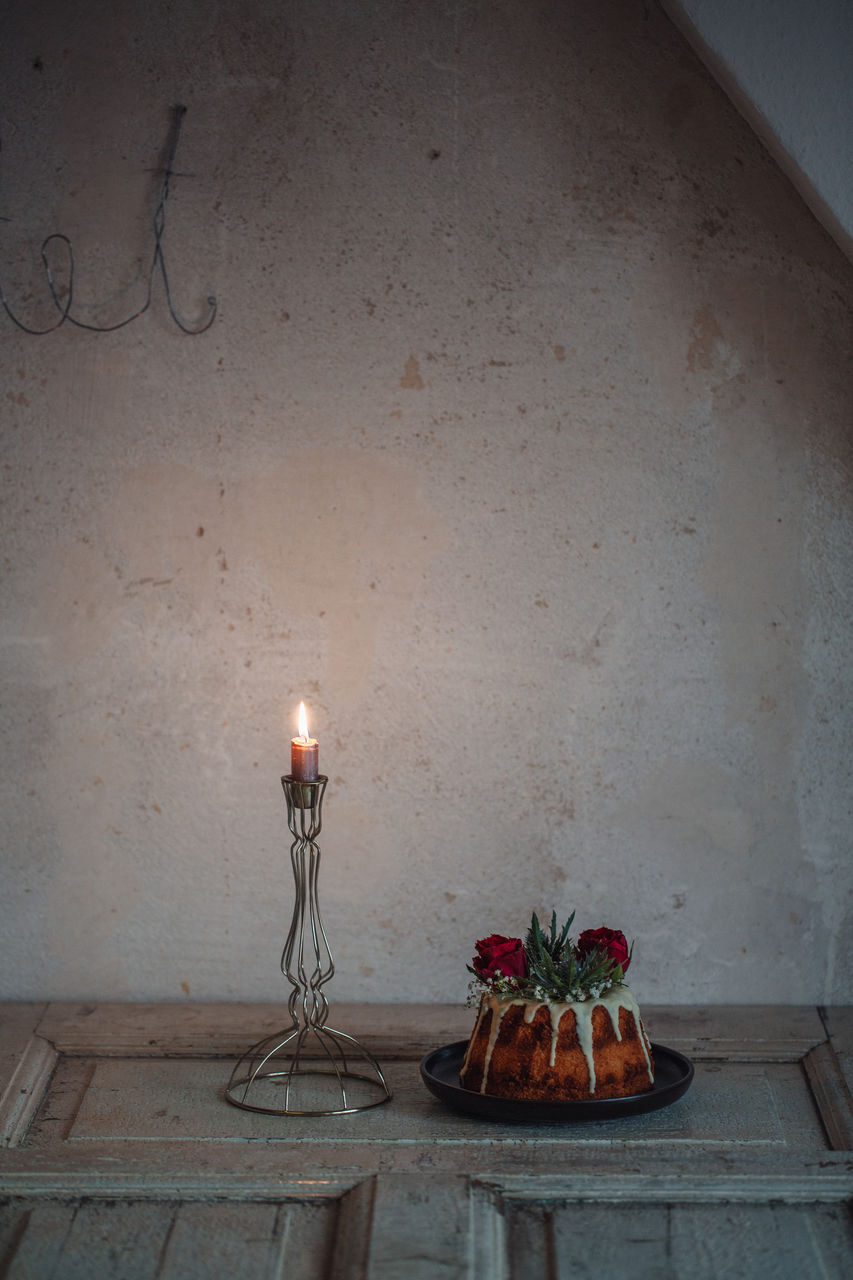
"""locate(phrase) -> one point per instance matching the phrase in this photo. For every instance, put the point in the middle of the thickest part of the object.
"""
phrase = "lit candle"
(303, 752)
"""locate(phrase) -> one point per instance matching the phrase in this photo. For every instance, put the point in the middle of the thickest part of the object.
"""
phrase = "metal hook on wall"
(158, 260)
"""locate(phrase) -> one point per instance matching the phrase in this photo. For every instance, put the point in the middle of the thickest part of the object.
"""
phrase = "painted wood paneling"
(390, 1031)
(128, 1100)
(122, 1158)
(166, 1240)
(669, 1242)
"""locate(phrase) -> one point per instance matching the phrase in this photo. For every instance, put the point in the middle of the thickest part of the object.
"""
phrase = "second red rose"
(610, 940)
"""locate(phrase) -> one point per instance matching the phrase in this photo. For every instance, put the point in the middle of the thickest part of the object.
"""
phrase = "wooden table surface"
(120, 1157)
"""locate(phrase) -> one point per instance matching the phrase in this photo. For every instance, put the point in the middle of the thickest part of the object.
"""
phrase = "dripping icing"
(619, 997)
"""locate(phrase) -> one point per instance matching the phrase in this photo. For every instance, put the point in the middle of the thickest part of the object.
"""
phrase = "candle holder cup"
(309, 1068)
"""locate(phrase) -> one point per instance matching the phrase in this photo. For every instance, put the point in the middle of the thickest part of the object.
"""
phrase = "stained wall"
(519, 448)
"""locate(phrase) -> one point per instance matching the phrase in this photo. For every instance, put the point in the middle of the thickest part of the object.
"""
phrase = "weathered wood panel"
(32, 1235)
(227, 1030)
(18, 1023)
(25, 1090)
(253, 1240)
(121, 1100)
(25, 1066)
(839, 1026)
(730, 1032)
(421, 1228)
(135, 1240)
(669, 1242)
(122, 1158)
(831, 1095)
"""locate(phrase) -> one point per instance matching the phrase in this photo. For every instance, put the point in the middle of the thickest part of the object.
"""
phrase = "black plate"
(440, 1074)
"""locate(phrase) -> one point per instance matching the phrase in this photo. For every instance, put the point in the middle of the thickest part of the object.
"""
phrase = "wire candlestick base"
(309, 1068)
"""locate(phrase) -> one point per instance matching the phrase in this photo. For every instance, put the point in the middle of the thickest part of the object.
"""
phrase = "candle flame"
(303, 722)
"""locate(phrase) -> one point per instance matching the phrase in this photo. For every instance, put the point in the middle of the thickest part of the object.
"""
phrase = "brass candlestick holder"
(308, 1069)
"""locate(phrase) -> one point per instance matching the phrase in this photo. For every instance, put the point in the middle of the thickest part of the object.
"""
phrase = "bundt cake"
(568, 1051)
(556, 1022)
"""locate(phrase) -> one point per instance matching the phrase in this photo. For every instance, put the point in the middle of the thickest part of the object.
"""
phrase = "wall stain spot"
(705, 333)
(412, 379)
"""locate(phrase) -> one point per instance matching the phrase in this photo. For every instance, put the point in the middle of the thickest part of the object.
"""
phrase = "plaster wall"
(519, 449)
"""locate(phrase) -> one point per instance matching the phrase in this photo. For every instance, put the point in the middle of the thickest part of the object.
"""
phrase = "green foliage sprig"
(557, 970)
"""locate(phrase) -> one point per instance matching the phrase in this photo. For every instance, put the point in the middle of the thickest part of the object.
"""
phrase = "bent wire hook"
(158, 259)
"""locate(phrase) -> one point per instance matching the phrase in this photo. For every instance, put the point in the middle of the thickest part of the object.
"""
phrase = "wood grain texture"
(827, 1180)
(157, 1240)
(838, 1022)
(226, 1030)
(131, 1100)
(398, 1031)
(739, 1242)
(421, 1228)
(353, 1230)
(25, 1089)
(831, 1095)
(18, 1023)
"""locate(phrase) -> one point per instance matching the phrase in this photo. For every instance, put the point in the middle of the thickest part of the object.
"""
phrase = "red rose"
(499, 956)
(610, 940)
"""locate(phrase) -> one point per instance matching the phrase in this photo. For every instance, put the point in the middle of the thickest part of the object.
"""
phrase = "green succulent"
(557, 971)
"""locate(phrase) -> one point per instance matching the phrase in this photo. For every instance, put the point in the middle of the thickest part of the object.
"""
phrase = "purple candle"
(303, 752)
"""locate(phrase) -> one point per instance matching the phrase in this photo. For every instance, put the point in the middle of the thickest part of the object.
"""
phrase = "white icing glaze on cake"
(618, 997)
